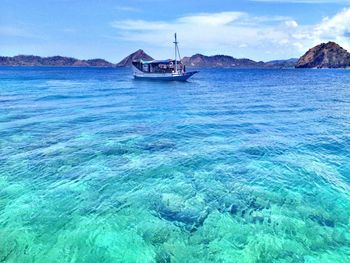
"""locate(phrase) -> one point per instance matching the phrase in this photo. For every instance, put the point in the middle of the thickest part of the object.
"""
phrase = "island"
(55, 61)
(325, 55)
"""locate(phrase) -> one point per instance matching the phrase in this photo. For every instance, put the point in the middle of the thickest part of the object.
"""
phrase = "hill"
(139, 54)
(325, 55)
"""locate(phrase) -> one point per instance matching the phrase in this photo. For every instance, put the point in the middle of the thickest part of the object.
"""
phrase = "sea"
(235, 165)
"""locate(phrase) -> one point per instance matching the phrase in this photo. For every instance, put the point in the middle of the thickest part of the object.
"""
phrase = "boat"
(168, 70)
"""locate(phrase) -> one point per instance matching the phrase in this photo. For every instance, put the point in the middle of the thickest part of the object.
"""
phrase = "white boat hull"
(163, 76)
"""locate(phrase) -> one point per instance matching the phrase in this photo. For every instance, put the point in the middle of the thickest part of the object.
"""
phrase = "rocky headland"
(325, 55)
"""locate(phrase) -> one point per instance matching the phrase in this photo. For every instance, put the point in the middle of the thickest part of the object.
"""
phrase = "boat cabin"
(158, 66)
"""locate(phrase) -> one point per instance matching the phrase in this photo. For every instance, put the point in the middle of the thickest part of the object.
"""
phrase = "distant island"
(325, 55)
(197, 60)
(219, 61)
(55, 61)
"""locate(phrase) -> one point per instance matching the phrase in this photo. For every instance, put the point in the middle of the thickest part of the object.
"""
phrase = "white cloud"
(291, 23)
(214, 19)
(238, 34)
(141, 25)
(127, 9)
(335, 28)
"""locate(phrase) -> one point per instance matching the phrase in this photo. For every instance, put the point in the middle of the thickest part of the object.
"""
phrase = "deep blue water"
(232, 166)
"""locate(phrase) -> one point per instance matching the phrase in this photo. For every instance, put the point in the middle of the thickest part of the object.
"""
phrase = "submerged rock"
(190, 213)
(114, 150)
(159, 145)
(253, 210)
(321, 220)
(163, 257)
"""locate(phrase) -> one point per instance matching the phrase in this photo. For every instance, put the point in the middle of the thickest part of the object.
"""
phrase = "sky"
(112, 29)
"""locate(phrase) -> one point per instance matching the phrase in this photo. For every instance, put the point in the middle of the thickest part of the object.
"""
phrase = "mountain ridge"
(219, 61)
(324, 55)
(53, 61)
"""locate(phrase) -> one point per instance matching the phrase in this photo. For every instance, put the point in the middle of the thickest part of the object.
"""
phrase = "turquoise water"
(233, 166)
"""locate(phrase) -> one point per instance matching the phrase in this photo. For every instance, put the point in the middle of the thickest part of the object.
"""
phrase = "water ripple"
(251, 165)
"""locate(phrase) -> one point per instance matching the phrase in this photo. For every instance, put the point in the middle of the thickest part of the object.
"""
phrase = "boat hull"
(165, 77)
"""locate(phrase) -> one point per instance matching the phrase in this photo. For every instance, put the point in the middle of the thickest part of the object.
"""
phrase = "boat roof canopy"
(166, 61)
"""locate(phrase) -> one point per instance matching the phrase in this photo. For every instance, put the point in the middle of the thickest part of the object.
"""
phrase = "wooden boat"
(168, 70)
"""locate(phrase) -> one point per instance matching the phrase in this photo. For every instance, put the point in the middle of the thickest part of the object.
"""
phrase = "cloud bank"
(238, 33)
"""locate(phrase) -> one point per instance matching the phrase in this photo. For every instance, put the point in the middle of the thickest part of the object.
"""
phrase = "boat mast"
(175, 53)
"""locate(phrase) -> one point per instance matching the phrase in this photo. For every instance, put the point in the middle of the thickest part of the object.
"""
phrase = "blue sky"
(111, 29)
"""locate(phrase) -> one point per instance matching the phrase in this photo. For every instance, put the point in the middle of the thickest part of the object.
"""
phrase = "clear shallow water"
(233, 166)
